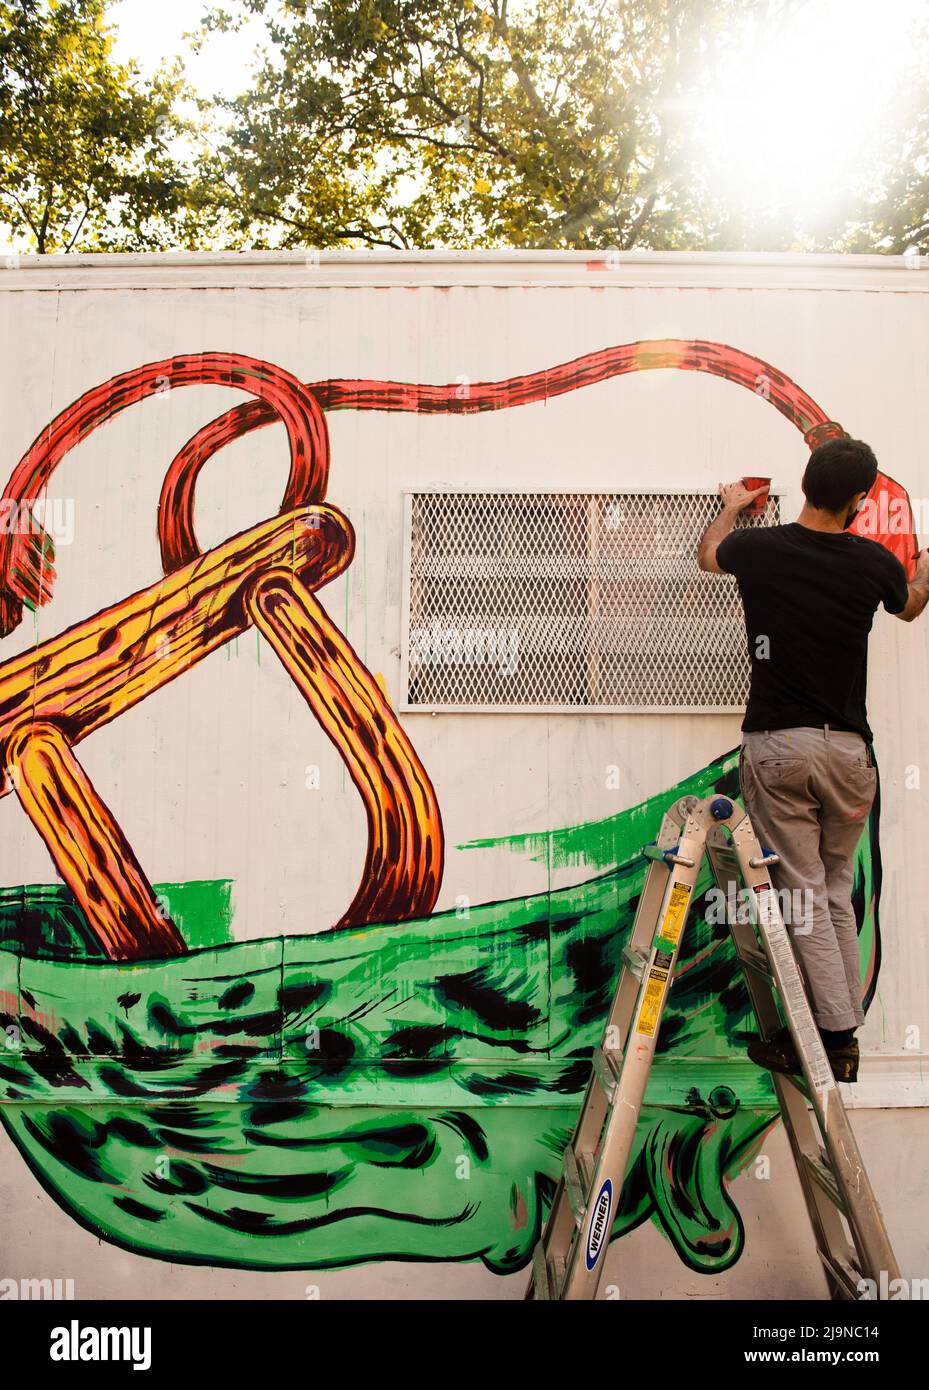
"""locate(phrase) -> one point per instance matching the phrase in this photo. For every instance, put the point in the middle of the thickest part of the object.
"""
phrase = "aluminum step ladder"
(850, 1235)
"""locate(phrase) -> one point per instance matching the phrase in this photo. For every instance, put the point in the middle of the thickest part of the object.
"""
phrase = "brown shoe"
(776, 1054)
(844, 1061)
(779, 1054)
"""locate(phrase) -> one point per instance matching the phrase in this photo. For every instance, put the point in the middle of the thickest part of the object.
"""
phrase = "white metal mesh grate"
(531, 601)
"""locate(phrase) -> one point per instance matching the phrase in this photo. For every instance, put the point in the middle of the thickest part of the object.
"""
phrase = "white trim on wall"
(597, 269)
(889, 1081)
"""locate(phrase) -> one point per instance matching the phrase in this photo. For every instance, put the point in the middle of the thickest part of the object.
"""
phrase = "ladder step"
(607, 1069)
(576, 1184)
(558, 1268)
(586, 1165)
(821, 1173)
(669, 856)
(543, 1282)
(577, 1170)
(634, 961)
(844, 1270)
(799, 1083)
(754, 959)
(540, 1284)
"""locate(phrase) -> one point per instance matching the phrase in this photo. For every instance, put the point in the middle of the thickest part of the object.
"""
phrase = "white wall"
(199, 772)
(207, 777)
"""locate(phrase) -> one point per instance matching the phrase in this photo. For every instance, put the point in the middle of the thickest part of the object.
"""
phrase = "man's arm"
(735, 497)
(918, 590)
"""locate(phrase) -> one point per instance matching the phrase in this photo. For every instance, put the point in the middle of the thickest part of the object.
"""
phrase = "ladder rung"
(757, 961)
(607, 1068)
(574, 1186)
(542, 1276)
(667, 856)
(798, 1081)
(821, 1173)
(844, 1271)
(548, 1275)
(586, 1165)
(557, 1270)
(634, 961)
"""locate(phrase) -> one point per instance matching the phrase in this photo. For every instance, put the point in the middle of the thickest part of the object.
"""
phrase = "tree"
(421, 122)
(894, 215)
(84, 159)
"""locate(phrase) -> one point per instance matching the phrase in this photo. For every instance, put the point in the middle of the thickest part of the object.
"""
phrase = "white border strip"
(889, 1081)
(600, 269)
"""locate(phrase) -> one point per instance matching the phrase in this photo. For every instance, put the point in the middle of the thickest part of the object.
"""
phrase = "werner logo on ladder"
(847, 1225)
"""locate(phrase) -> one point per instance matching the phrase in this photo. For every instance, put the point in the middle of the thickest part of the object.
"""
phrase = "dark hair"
(836, 471)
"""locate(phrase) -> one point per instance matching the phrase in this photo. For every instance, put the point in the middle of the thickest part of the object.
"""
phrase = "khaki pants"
(808, 792)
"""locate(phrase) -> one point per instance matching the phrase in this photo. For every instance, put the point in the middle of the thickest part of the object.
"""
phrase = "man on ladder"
(810, 590)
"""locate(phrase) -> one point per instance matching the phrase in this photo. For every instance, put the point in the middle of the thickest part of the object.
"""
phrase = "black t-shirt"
(813, 596)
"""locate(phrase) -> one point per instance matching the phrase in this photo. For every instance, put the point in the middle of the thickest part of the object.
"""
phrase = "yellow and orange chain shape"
(57, 693)
(403, 867)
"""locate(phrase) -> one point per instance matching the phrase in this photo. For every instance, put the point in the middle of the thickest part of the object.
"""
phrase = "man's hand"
(919, 589)
(734, 497)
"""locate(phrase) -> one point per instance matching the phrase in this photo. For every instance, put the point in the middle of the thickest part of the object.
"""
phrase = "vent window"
(569, 601)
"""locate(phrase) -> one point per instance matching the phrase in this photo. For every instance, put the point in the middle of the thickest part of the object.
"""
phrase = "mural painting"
(402, 1085)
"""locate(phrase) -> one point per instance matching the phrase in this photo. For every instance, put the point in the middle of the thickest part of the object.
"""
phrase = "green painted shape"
(44, 919)
(201, 908)
(398, 1091)
(598, 844)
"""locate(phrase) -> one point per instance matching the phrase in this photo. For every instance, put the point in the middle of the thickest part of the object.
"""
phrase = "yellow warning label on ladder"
(651, 1001)
(677, 911)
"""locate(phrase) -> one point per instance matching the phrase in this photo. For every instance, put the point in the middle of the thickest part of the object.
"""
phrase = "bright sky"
(793, 116)
(153, 30)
